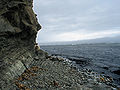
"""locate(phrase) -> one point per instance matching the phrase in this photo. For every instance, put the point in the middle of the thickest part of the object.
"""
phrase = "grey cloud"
(68, 15)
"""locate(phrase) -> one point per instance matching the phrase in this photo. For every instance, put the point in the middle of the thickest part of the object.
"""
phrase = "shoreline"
(107, 79)
(101, 59)
(81, 65)
(55, 73)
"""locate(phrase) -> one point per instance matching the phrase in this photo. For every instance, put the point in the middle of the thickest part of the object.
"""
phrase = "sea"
(101, 58)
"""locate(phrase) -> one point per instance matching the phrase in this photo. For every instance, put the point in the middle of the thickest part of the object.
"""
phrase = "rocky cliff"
(18, 29)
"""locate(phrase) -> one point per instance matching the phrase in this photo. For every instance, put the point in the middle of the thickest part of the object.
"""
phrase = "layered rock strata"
(18, 29)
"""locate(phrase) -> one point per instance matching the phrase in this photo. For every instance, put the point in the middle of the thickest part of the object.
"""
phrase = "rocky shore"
(22, 69)
(57, 73)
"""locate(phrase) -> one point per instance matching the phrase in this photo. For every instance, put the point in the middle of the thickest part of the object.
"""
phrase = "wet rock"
(103, 72)
(80, 60)
(117, 72)
(56, 58)
(36, 58)
(106, 68)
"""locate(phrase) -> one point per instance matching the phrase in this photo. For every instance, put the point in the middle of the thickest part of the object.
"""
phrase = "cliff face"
(18, 29)
(18, 20)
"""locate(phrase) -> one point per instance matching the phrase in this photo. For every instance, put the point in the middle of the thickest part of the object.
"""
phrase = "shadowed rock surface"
(18, 29)
(21, 68)
(117, 72)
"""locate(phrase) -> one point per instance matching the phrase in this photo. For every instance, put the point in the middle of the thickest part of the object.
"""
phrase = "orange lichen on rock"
(21, 86)
(26, 76)
(27, 88)
(29, 72)
(102, 79)
(20, 78)
(55, 83)
(33, 74)
(34, 68)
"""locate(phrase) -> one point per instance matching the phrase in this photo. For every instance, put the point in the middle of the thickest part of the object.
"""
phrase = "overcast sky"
(67, 20)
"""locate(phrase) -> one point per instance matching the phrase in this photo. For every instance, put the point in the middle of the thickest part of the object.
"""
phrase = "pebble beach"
(57, 73)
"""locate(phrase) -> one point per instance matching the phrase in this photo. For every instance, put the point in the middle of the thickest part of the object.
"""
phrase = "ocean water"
(101, 58)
